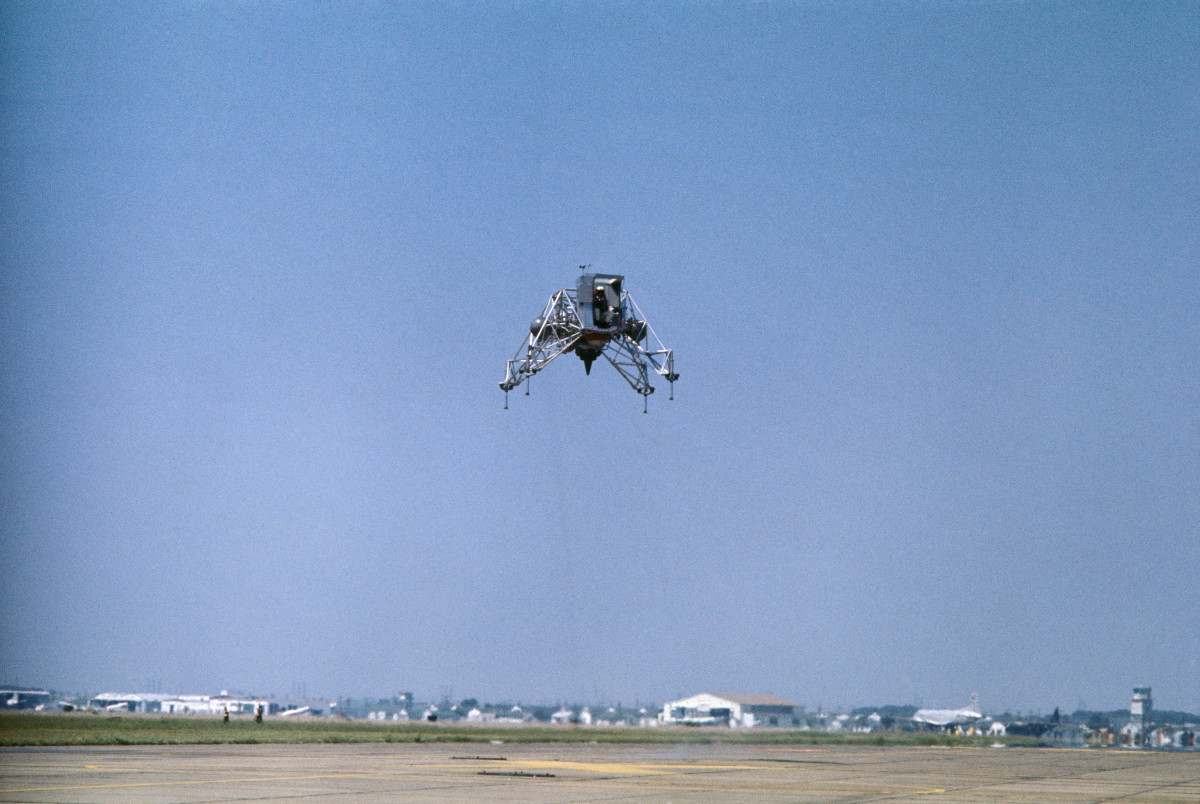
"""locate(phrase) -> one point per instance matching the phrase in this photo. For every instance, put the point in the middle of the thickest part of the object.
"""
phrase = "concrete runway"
(577, 773)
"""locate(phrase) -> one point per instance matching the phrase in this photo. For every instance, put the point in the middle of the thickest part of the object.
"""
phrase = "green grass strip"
(85, 728)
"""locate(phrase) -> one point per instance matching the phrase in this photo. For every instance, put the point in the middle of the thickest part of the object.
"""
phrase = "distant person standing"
(258, 713)
(225, 714)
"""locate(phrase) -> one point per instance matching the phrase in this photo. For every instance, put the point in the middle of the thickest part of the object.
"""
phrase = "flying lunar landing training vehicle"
(595, 318)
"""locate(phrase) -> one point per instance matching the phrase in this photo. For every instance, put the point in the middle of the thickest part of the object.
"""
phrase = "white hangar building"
(731, 710)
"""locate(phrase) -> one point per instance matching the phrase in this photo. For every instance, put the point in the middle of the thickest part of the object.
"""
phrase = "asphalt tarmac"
(593, 773)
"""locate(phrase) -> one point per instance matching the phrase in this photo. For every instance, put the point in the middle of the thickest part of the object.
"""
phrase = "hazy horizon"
(929, 271)
(455, 698)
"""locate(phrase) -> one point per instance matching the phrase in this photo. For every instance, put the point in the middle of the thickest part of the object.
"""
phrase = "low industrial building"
(181, 704)
(731, 710)
(217, 705)
(128, 701)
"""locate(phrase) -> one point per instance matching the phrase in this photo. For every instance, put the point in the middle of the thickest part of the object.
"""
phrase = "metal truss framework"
(561, 331)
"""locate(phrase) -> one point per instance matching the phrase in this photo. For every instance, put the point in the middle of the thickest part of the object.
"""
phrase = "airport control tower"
(1141, 707)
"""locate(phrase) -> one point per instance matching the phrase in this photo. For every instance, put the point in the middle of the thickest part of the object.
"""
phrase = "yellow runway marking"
(621, 767)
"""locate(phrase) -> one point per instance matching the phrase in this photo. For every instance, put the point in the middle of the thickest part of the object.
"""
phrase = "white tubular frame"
(561, 330)
(638, 360)
(559, 333)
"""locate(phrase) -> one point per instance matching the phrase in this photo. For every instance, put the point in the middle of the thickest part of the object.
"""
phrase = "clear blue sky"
(930, 271)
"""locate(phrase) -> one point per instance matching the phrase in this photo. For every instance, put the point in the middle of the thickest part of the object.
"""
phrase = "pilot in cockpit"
(600, 308)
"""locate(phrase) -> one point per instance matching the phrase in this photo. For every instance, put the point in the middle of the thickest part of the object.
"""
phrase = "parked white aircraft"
(949, 717)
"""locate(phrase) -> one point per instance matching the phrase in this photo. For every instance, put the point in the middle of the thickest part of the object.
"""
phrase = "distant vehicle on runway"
(596, 317)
